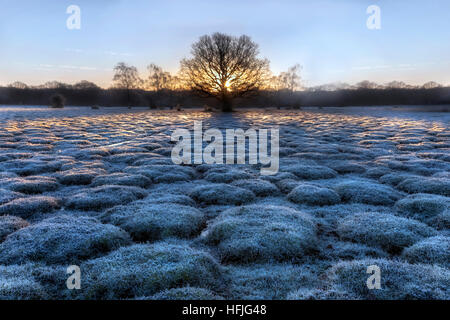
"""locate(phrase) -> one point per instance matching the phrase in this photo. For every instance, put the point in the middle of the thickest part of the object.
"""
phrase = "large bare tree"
(126, 77)
(225, 67)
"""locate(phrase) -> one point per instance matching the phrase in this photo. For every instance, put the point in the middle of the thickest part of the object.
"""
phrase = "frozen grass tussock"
(366, 192)
(439, 186)
(310, 172)
(103, 197)
(78, 176)
(313, 195)
(262, 233)
(270, 281)
(122, 179)
(220, 193)
(163, 173)
(422, 206)
(225, 175)
(383, 230)
(260, 188)
(146, 269)
(398, 280)
(61, 239)
(150, 221)
(8, 195)
(31, 184)
(10, 224)
(17, 283)
(343, 250)
(27, 207)
(161, 197)
(434, 250)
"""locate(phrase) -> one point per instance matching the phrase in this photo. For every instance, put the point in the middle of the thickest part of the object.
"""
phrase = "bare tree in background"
(18, 85)
(282, 88)
(224, 67)
(126, 77)
(158, 79)
(431, 85)
(290, 80)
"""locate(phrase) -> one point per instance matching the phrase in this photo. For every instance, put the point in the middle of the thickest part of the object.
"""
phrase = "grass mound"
(61, 239)
(313, 195)
(122, 179)
(422, 206)
(366, 192)
(383, 230)
(262, 233)
(163, 173)
(78, 176)
(287, 185)
(343, 250)
(26, 207)
(151, 221)
(434, 250)
(146, 269)
(8, 195)
(17, 283)
(10, 224)
(220, 193)
(310, 172)
(269, 281)
(31, 184)
(399, 281)
(260, 188)
(103, 197)
(439, 186)
(225, 175)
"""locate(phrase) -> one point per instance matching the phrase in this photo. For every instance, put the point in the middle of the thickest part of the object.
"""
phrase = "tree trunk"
(227, 103)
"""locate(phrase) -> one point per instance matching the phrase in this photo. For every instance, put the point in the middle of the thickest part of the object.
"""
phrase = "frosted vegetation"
(97, 188)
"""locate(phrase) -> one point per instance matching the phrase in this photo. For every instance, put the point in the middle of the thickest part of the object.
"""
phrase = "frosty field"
(98, 189)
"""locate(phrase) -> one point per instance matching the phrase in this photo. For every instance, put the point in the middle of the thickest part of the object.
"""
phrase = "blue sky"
(329, 38)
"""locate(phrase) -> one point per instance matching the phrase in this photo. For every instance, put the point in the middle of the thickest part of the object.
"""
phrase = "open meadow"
(98, 189)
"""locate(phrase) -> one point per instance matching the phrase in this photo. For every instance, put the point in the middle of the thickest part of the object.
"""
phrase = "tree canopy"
(225, 67)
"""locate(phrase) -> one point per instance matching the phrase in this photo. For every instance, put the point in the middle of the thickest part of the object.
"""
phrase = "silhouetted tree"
(126, 77)
(431, 85)
(158, 79)
(290, 80)
(56, 85)
(57, 101)
(18, 85)
(284, 86)
(85, 85)
(224, 67)
(368, 85)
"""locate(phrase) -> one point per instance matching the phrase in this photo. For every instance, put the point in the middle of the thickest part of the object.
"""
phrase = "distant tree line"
(224, 72)
(186, 98)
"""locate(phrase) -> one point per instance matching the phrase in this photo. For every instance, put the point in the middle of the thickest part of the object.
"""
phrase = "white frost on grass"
(383, 230)
(61, 239)
(146, 269)
(262, 233)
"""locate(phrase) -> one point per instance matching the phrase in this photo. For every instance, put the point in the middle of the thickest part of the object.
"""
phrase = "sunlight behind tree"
(225, 67)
